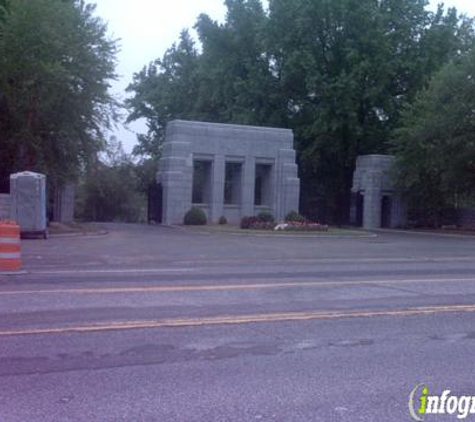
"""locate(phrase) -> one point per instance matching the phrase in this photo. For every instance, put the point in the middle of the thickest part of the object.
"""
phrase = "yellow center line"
(224, 287)
(234, 320)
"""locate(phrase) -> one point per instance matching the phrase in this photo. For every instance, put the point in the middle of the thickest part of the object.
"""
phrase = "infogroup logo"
(421, 403)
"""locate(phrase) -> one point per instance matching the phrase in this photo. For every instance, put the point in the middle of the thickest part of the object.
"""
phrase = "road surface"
(162, 324)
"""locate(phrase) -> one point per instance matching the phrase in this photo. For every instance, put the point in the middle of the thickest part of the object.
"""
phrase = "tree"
(110, 190)
(164, 90)
(235, 75)
(436, 143)
(347, 68)
(3, 10)
(56, 62)
(230, 81)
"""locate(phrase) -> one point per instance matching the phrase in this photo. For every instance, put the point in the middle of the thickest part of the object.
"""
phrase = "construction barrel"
(10, 247)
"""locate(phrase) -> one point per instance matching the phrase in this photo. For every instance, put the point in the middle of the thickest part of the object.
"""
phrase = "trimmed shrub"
(222, 220)
(294, 217)
(195, 217)
(265, 217)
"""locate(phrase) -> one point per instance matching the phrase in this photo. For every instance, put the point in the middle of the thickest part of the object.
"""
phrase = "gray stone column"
(249, 182)
(176, 176)
(217, 186)
(288, 193)
(292, 195)
(372, 208)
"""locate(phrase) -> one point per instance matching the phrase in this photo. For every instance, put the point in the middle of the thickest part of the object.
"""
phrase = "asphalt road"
(162, 324)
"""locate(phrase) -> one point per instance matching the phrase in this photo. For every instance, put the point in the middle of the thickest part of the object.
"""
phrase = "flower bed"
(256, 223)
(297, 224)
(263, 221)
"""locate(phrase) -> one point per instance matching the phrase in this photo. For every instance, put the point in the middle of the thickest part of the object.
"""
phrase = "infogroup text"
(422, 403)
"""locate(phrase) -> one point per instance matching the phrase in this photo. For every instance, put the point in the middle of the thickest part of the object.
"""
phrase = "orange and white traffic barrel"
(10, 248)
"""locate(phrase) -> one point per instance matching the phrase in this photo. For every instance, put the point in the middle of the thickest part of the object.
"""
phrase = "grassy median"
(233, 229)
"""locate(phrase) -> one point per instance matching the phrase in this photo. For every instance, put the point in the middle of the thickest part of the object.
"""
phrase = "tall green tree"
(3, 10)
(56, 63)
(235, 75)
(230, 80)
(347, 68)
(164, 90)
(436, 142)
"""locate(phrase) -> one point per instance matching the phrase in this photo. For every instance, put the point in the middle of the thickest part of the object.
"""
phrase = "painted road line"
(235, 320)
(230, 287)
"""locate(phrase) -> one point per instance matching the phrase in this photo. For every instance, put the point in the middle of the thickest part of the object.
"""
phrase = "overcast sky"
(146, 28)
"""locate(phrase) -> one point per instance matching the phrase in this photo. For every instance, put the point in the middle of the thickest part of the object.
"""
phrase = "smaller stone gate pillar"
(374, 179)
(372, 208)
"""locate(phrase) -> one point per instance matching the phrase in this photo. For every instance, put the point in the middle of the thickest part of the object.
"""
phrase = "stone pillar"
(372, 208)
(176, 175)
(249, 181)
(217, 189)
(288, 195)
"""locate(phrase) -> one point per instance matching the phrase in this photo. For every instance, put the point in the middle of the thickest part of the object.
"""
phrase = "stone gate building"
(227, 170)
(376, 202)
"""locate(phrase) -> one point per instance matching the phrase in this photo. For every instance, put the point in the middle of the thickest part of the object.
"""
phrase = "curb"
(426, 233)
(286, 236)
(173, 227)
(308, 236)
(79, 234)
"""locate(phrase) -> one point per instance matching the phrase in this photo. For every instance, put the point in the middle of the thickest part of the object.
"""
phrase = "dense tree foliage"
(436, 143)
(347, 70)
(3, 10)
(338, 72)
(56, 62)
(162, 91)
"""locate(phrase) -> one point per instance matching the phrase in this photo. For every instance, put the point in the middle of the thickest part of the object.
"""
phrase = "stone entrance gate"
(376, 202)
(227, 170)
